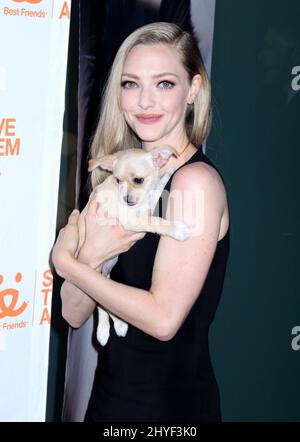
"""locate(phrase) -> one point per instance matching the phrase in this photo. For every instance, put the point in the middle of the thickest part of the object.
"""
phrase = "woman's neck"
(176, 162)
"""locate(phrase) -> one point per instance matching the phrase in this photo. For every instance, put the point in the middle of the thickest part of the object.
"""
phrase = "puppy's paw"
(181, 231)
(121, 327)
(103, 334)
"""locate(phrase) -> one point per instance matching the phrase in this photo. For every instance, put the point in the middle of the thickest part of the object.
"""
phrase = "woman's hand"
(104, 241)
(66, 244)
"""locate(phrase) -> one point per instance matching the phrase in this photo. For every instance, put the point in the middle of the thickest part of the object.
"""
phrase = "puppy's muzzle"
(128, 201)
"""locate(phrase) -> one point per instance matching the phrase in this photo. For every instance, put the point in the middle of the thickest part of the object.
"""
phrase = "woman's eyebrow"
(125, 74)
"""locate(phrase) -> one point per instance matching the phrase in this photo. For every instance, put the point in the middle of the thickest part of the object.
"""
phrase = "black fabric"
(140, 378)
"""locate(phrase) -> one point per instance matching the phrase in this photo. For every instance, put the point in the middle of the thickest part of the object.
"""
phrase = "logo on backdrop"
(9, 142)
(45, 291)
(9, 308)
(59, 9)
(27, 1)
(17, 313)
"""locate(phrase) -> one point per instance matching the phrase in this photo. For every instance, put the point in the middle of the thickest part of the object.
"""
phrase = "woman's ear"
(194, 88)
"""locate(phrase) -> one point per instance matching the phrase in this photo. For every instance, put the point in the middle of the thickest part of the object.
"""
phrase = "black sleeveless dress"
(140, 378)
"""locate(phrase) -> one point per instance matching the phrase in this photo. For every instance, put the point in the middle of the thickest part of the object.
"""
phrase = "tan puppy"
(130, 194)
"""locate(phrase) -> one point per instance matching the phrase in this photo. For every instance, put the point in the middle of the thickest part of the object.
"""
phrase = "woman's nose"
(146, 98)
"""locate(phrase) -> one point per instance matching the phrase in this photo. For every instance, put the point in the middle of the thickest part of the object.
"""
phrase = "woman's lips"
(148, 119)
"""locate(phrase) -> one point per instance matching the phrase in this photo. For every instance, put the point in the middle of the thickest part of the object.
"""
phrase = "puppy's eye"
(118, 181)
(138, 180)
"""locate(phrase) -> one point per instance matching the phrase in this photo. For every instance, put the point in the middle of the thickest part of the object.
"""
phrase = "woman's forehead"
(151, 58)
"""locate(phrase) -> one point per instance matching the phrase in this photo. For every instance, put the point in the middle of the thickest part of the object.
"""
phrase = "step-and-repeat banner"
(34, 44)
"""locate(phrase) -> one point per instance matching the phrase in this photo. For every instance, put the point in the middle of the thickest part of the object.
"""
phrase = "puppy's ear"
(160, 155)
(106, 163)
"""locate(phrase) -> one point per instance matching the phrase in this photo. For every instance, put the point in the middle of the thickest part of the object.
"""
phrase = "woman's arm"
(180, 268)
(77, 305)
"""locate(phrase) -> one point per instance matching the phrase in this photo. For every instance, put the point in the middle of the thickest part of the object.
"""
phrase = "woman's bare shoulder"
(198, 174)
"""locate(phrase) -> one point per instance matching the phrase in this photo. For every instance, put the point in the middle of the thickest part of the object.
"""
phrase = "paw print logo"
(9, 308)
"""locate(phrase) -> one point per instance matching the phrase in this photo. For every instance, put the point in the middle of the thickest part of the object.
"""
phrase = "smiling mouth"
(148, 118)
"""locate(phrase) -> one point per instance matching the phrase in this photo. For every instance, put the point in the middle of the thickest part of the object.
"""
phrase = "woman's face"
(155, 91)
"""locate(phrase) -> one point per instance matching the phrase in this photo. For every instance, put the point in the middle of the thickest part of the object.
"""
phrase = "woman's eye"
(166, 84)
(138, 180)
(128, 84)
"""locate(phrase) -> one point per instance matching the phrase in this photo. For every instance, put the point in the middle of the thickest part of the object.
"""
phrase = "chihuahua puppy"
(130, 194)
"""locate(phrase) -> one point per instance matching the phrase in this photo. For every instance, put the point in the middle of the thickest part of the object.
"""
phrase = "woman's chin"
(149, 137)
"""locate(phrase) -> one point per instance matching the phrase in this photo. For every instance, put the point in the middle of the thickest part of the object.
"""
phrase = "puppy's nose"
(128, 201)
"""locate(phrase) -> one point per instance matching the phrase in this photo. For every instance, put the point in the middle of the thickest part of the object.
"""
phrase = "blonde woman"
(166, 290)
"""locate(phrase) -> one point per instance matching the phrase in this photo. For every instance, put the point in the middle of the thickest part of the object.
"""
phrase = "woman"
(166, 290)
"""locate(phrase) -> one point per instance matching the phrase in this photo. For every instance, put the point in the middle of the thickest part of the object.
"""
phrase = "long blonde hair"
(113, 133)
